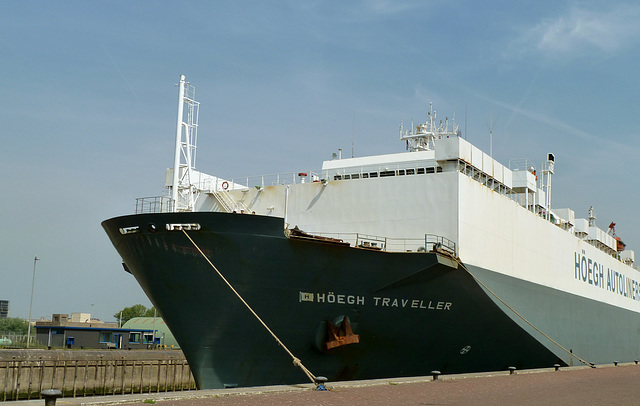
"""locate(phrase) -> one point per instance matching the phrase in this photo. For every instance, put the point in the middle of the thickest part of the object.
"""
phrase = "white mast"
(183, 192)
(424, 136)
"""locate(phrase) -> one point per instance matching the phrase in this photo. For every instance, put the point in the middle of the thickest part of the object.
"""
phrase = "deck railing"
(154, 204)
(429, 243)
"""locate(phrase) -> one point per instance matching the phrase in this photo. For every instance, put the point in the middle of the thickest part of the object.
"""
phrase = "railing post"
(75, 377)
(86, 378)
(6, 380)
(158, 381)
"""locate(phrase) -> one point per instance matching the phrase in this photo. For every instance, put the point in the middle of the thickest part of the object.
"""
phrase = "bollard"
(50, 396)
(435, 374)
(556, 366)
(615, 363)
(512, 370)
(636, 361)
(320, 381)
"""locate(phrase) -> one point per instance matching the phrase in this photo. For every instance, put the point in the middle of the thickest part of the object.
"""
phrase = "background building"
(163, 334)
(4, 309)
(83, 332)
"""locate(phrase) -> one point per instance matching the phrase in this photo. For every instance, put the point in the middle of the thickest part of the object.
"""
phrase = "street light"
(155, 314)
(33, 281)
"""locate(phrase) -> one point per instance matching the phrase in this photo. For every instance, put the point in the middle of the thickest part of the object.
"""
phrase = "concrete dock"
(604, 385)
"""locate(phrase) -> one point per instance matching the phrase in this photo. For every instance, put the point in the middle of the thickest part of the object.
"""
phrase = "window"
(431, 170)
(410, 171)
(420, 171)
(105, 337)
(355, 176)
(134, 338)
(147, 338)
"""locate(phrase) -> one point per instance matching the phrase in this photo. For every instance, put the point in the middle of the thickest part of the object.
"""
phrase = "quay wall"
(25, 373)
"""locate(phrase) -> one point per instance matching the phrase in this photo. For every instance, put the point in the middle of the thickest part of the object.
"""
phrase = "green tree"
(137, 310)
(14, 325)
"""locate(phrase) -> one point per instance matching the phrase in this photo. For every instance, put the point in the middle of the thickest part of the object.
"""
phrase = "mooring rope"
(524, 319)
(296, 361)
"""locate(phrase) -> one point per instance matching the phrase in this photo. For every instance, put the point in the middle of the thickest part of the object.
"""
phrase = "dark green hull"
(412, 312)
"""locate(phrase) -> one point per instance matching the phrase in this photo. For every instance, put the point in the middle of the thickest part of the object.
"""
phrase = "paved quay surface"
(604, 385)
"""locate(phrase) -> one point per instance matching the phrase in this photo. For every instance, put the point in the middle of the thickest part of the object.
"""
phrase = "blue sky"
(88, 109)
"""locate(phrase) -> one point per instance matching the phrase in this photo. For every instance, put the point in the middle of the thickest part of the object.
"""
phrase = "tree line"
(137, 310)
(13, 325)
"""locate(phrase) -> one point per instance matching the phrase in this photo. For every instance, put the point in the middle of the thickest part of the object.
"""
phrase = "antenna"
(353, 131)
(492, 125)
(423, 136)
(465, 122)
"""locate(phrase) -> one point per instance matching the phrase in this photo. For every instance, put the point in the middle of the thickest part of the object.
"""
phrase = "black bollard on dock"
(320, 382)
(50, 396)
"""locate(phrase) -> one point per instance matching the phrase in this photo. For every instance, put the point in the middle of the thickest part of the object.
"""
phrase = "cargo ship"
(437, 258)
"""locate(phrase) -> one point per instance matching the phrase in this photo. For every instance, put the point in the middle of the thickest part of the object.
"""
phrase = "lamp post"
(155, 314)
(33, 281)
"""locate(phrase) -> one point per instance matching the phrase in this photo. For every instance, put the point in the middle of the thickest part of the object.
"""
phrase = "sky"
(88, 108)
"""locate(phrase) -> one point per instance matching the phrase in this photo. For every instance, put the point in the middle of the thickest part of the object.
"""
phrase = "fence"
(13, 339)
(25, 379)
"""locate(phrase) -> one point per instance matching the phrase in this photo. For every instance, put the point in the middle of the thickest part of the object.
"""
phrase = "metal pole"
(33, 281)
(153, 343)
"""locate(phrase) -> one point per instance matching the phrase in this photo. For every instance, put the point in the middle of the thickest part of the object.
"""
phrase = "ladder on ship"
(228, 203)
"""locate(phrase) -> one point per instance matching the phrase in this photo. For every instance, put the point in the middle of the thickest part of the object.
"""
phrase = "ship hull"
(576, 328)
(412, 313)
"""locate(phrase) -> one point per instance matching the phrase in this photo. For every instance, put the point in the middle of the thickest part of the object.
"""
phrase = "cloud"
(582, 32)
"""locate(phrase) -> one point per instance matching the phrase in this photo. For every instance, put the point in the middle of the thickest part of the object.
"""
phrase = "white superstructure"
(498, 218)
(495, 218)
